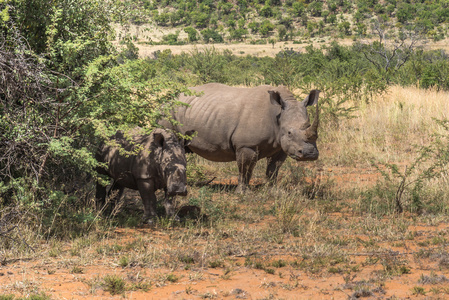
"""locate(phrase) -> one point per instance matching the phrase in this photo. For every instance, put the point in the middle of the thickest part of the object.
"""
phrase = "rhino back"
(228, 118)
(126, 169)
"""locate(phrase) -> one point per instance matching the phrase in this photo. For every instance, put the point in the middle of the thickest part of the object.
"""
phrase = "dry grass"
(388, 128)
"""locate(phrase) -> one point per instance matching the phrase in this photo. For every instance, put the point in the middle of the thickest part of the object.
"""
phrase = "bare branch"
(7, 227)
(25, 90)
(389, 54)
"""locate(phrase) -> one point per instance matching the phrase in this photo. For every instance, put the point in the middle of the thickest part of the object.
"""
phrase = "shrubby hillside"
(259, 20)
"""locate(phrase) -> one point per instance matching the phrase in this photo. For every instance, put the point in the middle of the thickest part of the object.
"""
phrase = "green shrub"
(410, 188)
(266, 11)
(210, 35)
(192, 34)
(172, 39)
(266, 27)
(114, 284)
(200, 19)
(79, 93)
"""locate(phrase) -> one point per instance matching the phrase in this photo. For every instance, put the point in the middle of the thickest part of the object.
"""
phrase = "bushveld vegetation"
(64, 87)
(259, 21)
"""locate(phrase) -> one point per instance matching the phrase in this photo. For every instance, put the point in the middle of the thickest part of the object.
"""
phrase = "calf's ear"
(275, 99)
(312, 98)
(190, 134)
(158, 139)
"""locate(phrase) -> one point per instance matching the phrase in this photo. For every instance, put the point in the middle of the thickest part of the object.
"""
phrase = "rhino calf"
(158, 163)
(248, 124)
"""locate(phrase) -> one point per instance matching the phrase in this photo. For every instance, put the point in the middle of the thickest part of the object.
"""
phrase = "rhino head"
(172, 162)
(296, 135)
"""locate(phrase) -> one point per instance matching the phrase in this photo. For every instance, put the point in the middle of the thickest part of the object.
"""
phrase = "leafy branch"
(431, 163)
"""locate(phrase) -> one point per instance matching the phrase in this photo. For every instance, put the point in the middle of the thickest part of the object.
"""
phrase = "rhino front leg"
(170, 207)
(274, 163)
(146, 190)
(100, 196)
(246, 161)
(113, 195)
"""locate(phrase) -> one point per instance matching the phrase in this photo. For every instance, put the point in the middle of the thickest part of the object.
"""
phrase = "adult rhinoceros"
(248, 124)
(157, 162)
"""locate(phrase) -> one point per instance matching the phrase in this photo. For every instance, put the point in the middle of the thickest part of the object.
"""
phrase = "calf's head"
(172, 161)
(296, 135)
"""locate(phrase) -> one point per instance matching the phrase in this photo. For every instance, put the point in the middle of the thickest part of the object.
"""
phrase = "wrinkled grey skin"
(248, 124)
(161, 164)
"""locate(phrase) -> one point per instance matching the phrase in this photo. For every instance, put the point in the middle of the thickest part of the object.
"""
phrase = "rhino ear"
(312, 98)
(158, 139)
(275, 99)
(189, 133)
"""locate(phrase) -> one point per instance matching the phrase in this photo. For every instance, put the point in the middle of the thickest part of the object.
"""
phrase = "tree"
(315, 8)
(266, 10)
(25, 85)
(311, 27)
(325, 14)
(361, 29)
(298, 8)
(282, 32)
(266, 27)
(389, 53)
(237, 34)
(254, 26)
(63, 88)
(200, 19)
(345, 27)
(405, 12)
(161, 19)
(48, 96)
(332, 18)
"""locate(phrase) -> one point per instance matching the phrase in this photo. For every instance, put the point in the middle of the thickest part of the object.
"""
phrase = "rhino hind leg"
(274, 163)
(246, 161)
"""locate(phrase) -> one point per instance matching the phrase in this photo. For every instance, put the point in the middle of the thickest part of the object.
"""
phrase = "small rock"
(240, 294)
(237, 291)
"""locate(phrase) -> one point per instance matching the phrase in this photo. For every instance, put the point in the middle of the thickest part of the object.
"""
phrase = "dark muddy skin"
(159, 163)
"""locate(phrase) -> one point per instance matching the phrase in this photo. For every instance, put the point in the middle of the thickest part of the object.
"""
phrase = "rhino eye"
(289, 132)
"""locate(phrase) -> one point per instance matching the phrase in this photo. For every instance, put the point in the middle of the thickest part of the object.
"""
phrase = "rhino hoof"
(241, 189)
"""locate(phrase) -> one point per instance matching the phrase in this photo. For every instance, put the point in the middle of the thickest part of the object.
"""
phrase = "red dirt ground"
(54, 276)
